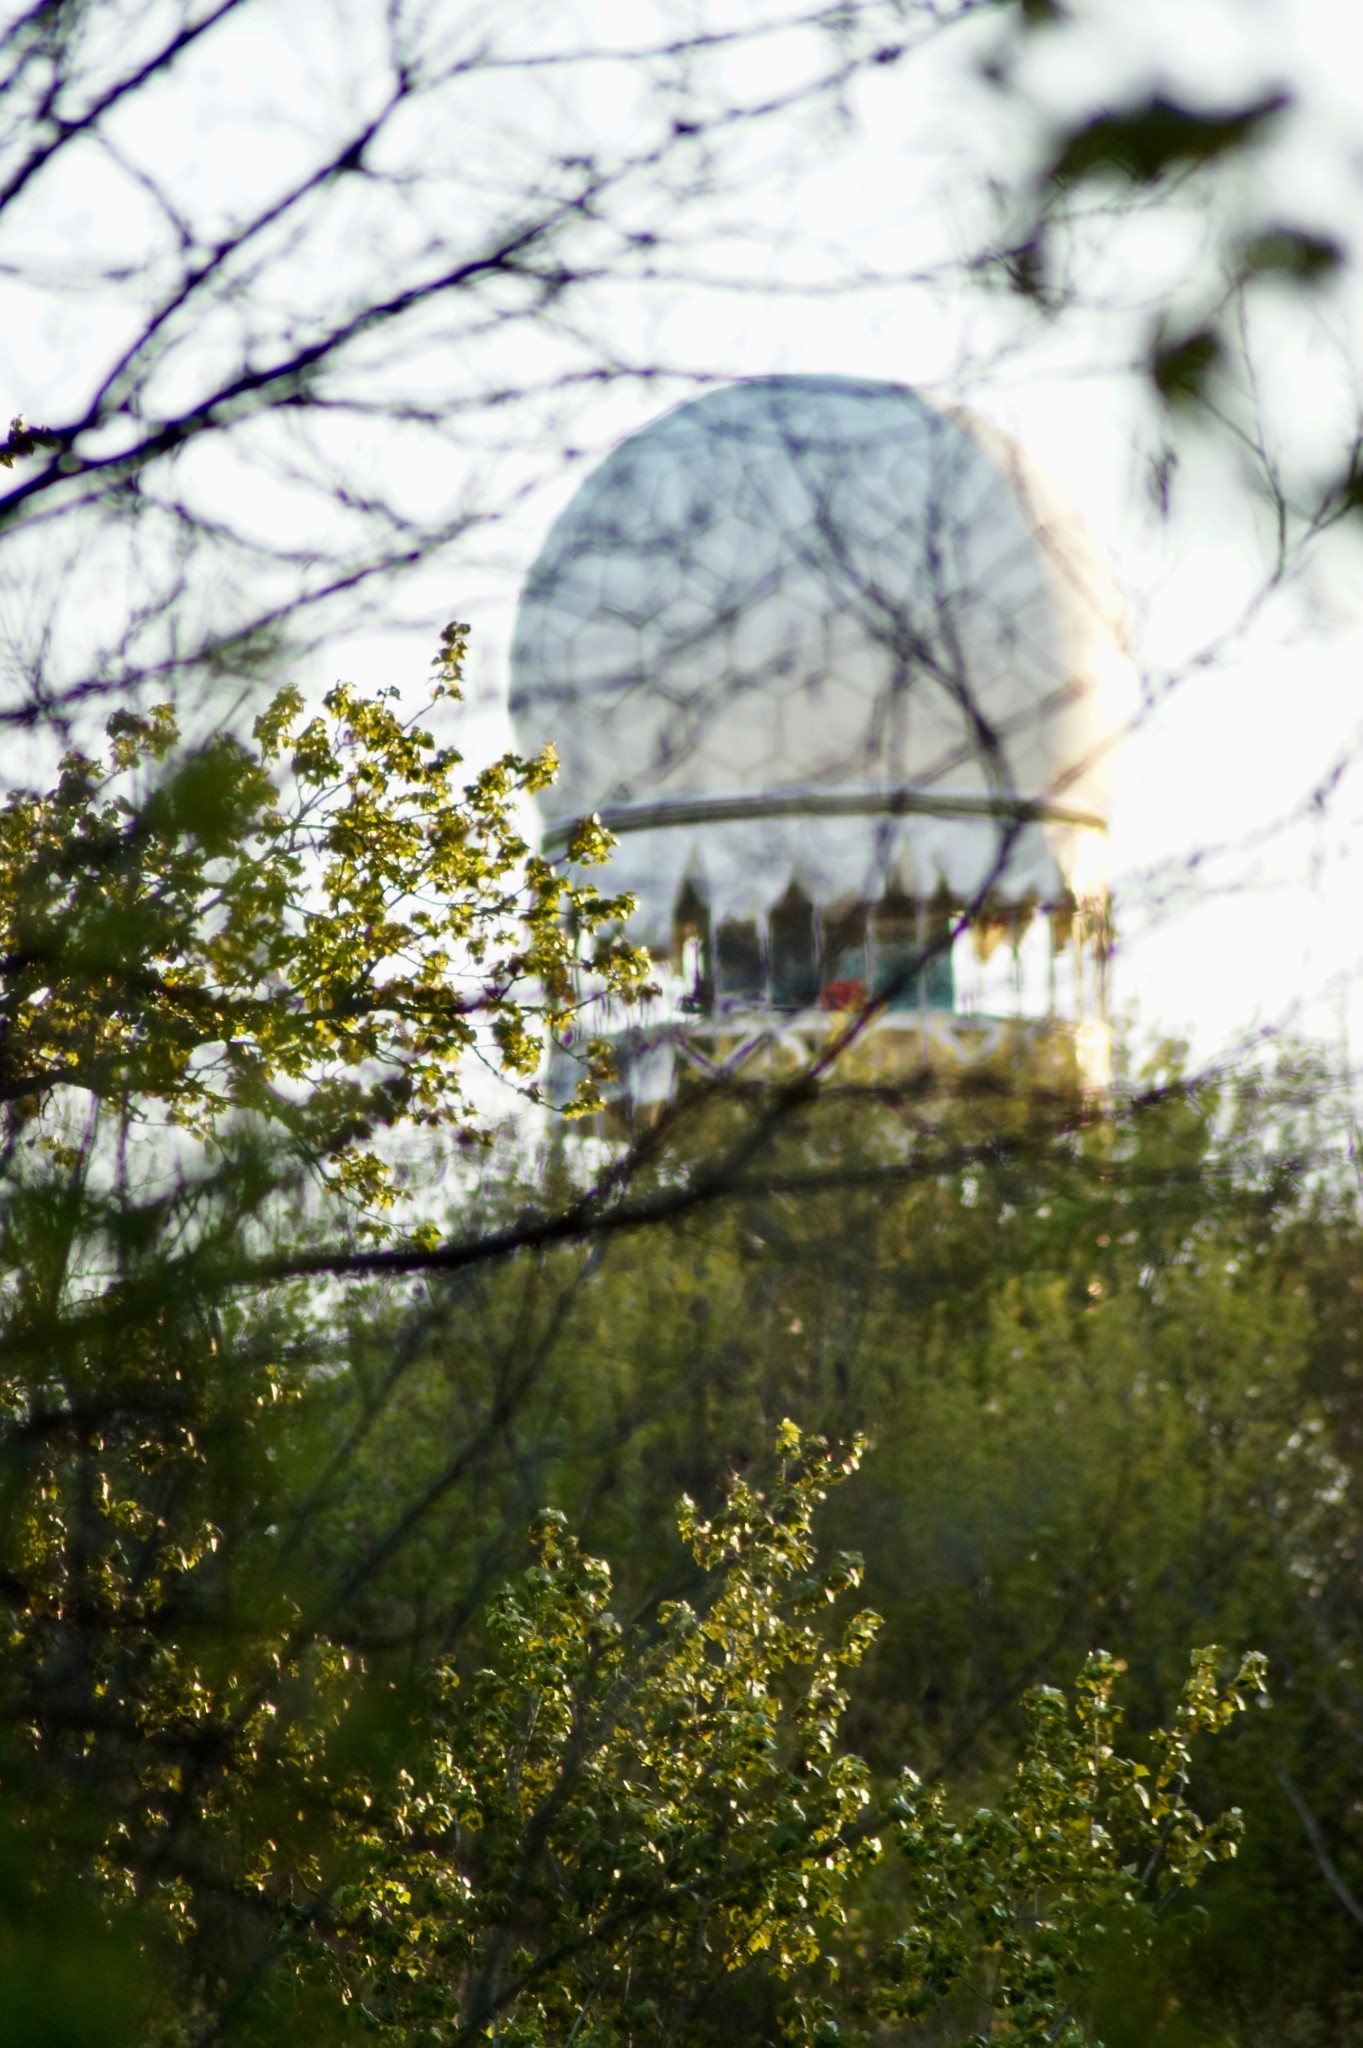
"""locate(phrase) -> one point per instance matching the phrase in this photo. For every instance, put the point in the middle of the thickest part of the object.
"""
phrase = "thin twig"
(1328, 1868)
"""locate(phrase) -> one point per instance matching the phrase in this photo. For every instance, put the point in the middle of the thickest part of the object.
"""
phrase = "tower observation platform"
(845, 677)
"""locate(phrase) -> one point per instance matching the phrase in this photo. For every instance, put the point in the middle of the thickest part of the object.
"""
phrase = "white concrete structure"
(845, 680)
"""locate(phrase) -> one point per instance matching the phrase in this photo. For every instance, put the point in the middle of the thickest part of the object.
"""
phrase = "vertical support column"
(922, 928)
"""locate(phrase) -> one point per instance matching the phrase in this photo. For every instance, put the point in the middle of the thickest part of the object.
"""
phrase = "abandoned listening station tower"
(844, 677)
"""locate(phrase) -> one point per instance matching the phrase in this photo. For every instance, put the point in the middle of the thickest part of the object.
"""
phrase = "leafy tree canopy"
(625, 1832)
(317, 930)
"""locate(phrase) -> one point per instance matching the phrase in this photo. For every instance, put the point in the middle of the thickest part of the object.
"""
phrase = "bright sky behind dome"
(1271, 932)
(1233, 914)
(1229, 914)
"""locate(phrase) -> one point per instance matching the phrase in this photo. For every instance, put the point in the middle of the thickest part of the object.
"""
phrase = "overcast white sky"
(1268, 933)
(1271, 932)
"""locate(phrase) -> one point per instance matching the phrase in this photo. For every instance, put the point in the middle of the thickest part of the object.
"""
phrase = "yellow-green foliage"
(607, 1824)
(319, 929)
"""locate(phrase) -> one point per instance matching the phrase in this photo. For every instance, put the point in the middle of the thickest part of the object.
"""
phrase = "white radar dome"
(814, 633)
(817, 583)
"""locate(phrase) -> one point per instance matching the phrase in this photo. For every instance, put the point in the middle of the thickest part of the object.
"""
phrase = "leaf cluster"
(313, 932)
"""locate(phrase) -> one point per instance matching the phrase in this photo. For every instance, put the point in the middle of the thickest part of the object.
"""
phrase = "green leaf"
(1295, 253)
(1181, 367)
(1144, 143)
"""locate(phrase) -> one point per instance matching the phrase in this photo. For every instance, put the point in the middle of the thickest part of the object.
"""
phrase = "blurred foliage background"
(1110, 1383)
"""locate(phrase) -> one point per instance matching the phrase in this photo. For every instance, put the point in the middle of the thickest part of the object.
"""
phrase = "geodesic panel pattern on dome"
(809, 583)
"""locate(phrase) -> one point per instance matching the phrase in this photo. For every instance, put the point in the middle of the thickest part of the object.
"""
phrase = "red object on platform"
(843, 995)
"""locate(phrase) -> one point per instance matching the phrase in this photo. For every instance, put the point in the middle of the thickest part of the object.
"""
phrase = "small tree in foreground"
(629, 1834)
(229, 973)
(312, 932)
